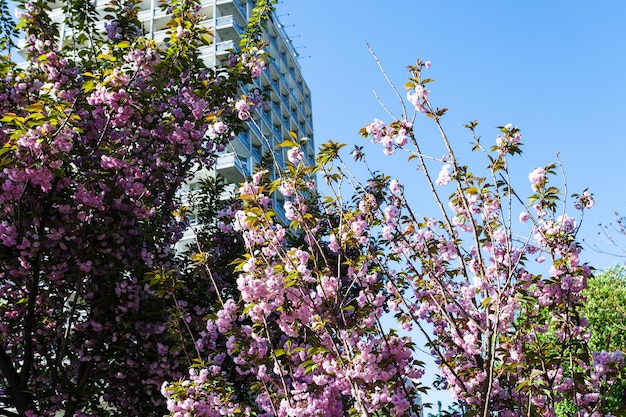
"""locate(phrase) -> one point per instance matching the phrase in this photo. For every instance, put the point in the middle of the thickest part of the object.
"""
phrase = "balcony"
(228, 28)
(232, 7)
(160, 35)
(225, 46)
(232, 167)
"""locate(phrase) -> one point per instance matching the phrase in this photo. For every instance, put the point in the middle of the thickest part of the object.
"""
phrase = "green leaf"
(535, 373)
(89, 86)
(34, 108)
(35, 116)
(309, 366)
(9, 117)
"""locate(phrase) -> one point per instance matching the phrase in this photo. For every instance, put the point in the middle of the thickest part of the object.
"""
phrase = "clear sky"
(554, 68)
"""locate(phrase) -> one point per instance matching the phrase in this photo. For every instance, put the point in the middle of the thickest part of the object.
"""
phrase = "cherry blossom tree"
(492, 278)
(97, 137)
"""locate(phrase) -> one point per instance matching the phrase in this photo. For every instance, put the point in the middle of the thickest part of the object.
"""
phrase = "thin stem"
(391, 84)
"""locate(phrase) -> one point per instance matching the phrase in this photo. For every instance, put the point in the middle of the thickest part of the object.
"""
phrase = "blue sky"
(553, 68)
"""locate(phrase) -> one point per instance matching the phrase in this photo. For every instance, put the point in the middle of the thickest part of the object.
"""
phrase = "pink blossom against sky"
(555, 69)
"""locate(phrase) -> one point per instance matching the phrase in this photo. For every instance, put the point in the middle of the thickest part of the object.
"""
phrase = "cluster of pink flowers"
(246, 105)
(585, 201)
(391, 136)
(537, 177)
(295, 155)
(254, 61)
(444, 176)
(202, 398)
(418, 94)
(285, 332)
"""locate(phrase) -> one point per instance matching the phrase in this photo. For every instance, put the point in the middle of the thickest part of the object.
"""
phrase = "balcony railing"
(225, 46)
(232, 165)
(228, 21)
(237, 4)
(244, 137)
(256, 152)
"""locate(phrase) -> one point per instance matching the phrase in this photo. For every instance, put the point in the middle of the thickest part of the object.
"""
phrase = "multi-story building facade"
(289, 104)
